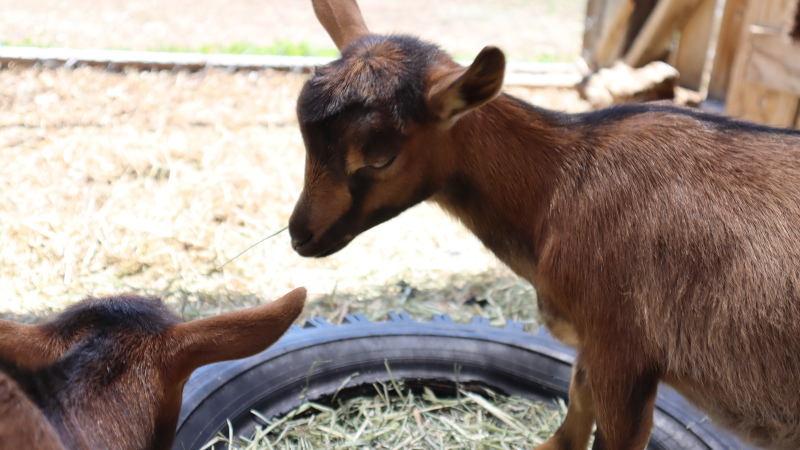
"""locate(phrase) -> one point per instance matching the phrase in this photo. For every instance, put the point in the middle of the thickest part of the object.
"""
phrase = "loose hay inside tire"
(399, 415)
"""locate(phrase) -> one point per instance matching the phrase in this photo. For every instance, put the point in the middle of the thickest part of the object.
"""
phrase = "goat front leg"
(576, 430)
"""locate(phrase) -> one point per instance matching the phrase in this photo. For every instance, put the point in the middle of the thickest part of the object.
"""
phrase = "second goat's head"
(109, 373)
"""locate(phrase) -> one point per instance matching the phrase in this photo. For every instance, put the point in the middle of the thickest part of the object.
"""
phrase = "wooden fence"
(742, 56)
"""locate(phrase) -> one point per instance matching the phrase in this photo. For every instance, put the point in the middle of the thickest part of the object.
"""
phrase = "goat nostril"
(301, 240)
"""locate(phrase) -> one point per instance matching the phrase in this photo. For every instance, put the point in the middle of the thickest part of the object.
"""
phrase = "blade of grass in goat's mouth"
(248, 248)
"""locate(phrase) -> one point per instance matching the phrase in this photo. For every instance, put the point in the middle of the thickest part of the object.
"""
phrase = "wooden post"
(604, 42)
(693, 45)
(657, 32)
(728, 43)
(641, 11)
(794, 25)
(591, 30)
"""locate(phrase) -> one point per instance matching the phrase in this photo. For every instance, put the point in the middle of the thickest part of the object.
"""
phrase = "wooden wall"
(765, 76)
(744, 54)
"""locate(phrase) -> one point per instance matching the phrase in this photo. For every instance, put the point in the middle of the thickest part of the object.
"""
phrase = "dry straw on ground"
(149, 181)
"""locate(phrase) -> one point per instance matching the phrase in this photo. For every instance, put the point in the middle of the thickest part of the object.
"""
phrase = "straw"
(396, 418)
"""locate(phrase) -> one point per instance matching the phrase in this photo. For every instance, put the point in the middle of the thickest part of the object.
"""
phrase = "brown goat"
(663, 243)
(109, 372)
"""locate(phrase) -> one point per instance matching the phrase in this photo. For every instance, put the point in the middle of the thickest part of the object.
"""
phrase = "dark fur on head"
(381, 72)
(127, 313)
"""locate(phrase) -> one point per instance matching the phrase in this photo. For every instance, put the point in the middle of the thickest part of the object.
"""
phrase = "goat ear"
(234, 335)
(342, 20)
(465, 88)
(28, 346)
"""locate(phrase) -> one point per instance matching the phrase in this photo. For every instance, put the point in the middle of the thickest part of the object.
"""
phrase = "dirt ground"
(150, 181)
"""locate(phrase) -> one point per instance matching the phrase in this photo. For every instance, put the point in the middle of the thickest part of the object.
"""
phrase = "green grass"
(538, 58)
(27, 42)
(552, 58)
(283, 48)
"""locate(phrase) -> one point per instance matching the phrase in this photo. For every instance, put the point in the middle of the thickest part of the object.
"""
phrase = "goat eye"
(384, 164)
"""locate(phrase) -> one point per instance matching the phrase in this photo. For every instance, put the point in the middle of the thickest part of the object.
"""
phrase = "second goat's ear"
(462, 89)
(29, 346)
(234, 335)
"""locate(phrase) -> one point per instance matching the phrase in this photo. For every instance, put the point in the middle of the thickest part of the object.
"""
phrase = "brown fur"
(115, 367)
(664, 243)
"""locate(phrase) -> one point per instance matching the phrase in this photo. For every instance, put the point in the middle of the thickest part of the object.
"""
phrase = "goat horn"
(342, 20)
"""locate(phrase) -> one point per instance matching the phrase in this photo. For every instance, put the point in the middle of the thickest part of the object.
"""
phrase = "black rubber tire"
(316, 360)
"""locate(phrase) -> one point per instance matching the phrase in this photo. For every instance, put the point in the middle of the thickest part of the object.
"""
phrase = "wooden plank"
(591, 30)
(693, 45)
(753, 101)
(772, 108)
(794, 24)
(774, 62)
(727, 45)
(641, 12)
(655, 36)
(612, 35)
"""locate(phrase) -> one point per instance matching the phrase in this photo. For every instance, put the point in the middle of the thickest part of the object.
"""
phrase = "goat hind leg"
(624, 406)
(574, 433)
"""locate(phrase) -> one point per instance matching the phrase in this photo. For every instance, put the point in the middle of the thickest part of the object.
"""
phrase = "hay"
(397, 418)
(149, 181)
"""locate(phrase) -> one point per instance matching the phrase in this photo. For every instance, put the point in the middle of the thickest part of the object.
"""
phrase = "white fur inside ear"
(452, 109)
